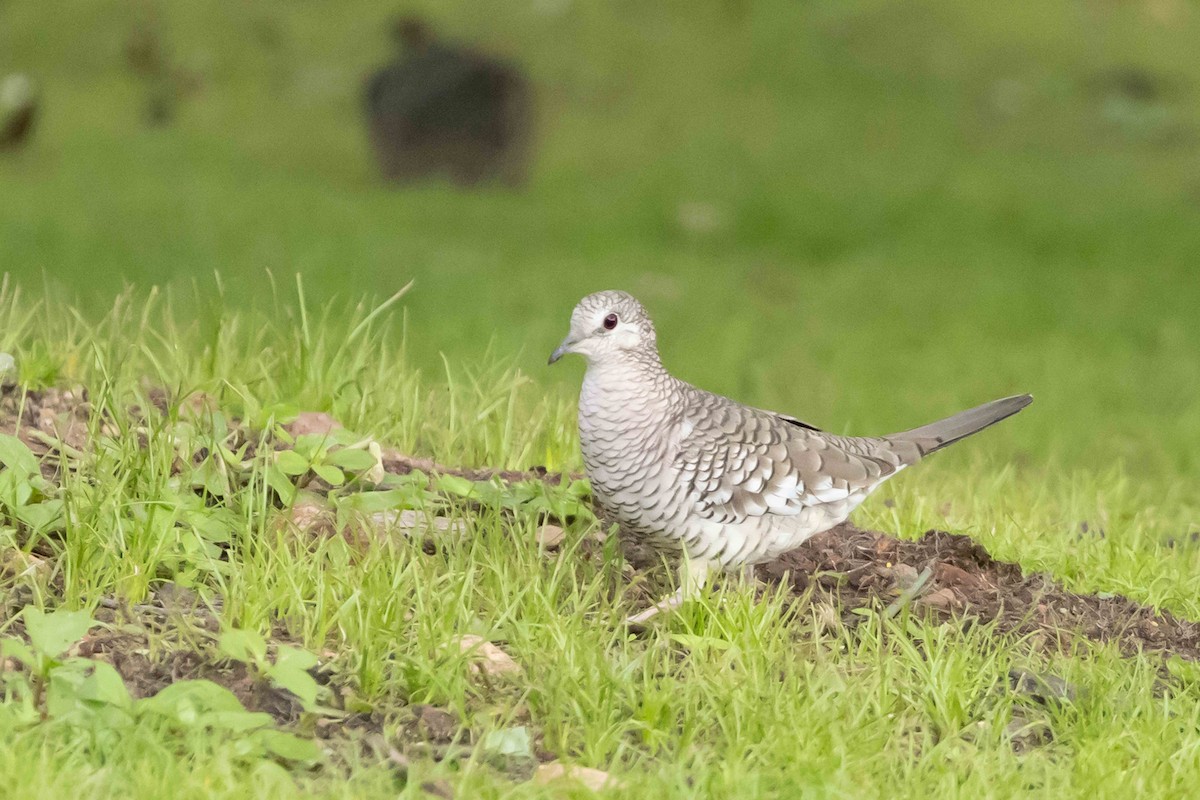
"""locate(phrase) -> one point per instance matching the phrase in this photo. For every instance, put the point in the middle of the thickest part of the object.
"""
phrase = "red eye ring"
(610, 322)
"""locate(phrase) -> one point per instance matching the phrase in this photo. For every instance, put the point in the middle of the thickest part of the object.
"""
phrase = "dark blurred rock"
(144, 51)
(441, 110)
(18, 110)
(1044, 689)
(148, 56)
(1130, 82)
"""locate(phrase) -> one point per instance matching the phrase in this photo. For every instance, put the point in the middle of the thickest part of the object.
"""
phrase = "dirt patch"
(952, 576)
(176, 654)
(146, 675)
(152, 646)
(49, 422)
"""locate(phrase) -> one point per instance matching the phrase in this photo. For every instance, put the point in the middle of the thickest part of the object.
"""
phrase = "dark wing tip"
(799, 423)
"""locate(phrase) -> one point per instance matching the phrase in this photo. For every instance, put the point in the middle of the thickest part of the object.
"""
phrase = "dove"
(729, 484)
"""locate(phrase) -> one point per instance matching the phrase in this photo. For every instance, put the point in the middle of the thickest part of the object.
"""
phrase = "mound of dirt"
(952, 576)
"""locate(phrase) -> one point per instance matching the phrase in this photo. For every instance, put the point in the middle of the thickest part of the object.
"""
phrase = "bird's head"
(608, 325)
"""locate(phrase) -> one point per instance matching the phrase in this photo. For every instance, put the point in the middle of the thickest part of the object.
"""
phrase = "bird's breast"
(625, 436)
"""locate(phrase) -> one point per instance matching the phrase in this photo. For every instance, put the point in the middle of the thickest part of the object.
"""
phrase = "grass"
(732, 696)
(914, 211)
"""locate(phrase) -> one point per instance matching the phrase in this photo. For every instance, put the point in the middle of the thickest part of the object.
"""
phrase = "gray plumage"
(732, 485)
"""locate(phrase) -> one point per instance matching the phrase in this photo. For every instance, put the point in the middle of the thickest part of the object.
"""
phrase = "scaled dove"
(731, 485)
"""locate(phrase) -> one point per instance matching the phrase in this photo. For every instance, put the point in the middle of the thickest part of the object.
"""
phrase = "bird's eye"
(610, 322)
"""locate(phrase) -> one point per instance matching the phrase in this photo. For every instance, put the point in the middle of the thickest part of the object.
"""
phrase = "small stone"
(18, 564)
(903, 575)
(310, 516)
(174, 597)
(1025, 734)
(550, 536)
(594, 779)
(942, 599)
(950, 575)
(436, 724)
(197, 405)
(312, 422)
(407, 521)
(488, 658)
(1044, 689)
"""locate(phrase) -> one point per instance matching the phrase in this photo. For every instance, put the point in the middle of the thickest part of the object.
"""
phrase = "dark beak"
(561, 350)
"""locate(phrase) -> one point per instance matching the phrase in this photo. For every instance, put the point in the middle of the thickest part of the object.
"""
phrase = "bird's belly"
(656, 506)
(758, 539)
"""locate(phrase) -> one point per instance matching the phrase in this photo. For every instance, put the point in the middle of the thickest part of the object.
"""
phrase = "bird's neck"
(628, 377)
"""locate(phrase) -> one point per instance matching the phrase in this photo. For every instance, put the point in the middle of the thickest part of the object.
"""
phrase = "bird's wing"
(742, 462)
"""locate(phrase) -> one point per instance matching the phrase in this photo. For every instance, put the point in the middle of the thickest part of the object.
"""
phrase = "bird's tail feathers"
(936, 435)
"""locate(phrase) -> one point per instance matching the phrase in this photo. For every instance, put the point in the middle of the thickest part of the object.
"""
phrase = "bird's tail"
(936, 435)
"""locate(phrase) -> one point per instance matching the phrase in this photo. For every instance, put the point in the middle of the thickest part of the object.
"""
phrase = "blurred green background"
(866, 213)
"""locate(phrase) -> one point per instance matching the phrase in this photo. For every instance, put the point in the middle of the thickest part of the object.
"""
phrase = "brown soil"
(154, 645)
(48, 422)
(146, 675)
(951, 576)
(180, 653)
